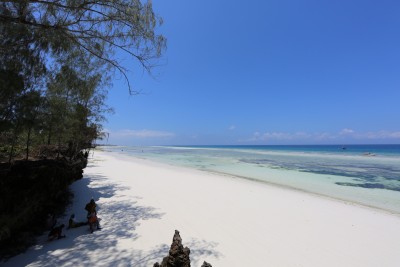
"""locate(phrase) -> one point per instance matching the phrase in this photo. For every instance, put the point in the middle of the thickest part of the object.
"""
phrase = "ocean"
(368, 175)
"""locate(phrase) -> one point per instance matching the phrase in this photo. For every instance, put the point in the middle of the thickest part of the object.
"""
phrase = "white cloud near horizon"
(383, 135)
(257, 136)
(346, 131)
(126, 133)
(371, 135)
(345, 134)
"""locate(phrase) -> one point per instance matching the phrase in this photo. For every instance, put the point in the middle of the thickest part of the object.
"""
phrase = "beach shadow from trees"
(110, 246)
(120, 217)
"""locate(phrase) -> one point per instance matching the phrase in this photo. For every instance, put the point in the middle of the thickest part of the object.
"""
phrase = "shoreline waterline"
(349, 178)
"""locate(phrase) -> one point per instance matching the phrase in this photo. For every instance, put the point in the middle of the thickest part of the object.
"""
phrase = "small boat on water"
(369, 154)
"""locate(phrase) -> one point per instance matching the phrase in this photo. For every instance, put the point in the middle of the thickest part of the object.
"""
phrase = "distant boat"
(369, 154)
(344, 148)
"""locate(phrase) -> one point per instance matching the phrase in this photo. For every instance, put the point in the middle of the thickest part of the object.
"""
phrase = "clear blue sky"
(267, 72)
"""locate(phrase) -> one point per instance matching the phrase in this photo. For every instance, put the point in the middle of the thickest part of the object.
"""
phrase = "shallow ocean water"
(363, 174)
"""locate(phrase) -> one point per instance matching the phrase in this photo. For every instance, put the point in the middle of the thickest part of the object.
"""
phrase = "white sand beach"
(225, 221)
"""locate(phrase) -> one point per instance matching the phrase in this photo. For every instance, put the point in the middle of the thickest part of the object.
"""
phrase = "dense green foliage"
(56, 60)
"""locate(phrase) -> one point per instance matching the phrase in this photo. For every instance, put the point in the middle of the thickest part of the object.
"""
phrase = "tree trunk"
(50, 132)
(13, 144)
(12, 150)
(58, 150)
(28, 142)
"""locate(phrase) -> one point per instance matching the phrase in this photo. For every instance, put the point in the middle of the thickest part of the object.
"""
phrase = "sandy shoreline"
(225, 221)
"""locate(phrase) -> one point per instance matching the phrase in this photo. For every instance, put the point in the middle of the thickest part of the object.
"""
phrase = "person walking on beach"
(91, 207)
(92, 215)
(94, 222)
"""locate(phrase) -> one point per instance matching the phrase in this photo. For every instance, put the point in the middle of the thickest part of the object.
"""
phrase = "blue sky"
(266, 72)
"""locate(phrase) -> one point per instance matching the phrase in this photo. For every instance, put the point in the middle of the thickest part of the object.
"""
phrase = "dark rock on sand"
(178, 255)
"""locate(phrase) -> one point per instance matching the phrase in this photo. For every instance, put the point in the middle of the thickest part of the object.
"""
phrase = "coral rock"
(178, 255)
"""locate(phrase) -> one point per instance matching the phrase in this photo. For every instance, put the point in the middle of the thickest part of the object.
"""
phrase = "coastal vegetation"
(57, 60)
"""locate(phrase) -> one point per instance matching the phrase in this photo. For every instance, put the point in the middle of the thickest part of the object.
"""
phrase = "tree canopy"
(98, 28)
(56, 61)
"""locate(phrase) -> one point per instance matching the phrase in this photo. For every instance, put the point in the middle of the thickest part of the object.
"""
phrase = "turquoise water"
(363, 174)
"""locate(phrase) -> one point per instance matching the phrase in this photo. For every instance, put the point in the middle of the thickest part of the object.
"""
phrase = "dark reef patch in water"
(371, 186)
(360, 172)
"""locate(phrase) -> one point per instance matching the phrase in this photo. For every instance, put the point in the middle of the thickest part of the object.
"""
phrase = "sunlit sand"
(223, 220)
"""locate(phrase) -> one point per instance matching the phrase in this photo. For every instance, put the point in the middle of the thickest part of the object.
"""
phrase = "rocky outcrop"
(178, 255)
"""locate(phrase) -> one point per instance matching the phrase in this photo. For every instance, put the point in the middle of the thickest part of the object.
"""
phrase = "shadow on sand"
(110, 246)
